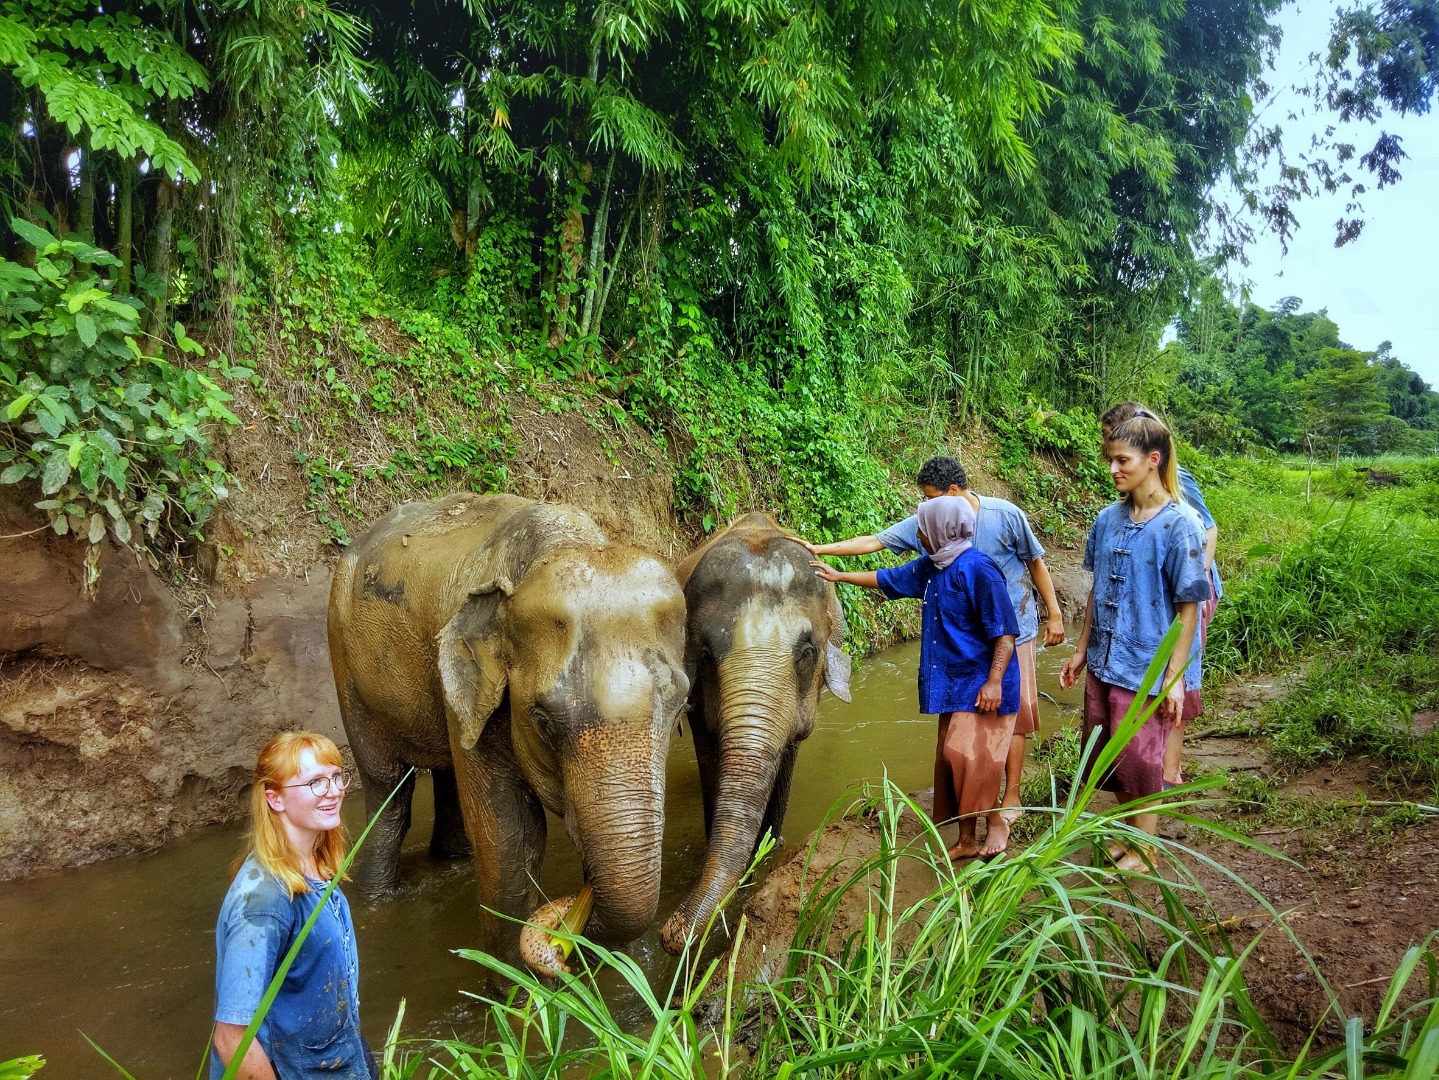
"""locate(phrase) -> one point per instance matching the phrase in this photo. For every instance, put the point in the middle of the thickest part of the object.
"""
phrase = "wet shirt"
(1142, 571)
(1189, 488)
(966, 606)
(1002, 532)
(313, 1028)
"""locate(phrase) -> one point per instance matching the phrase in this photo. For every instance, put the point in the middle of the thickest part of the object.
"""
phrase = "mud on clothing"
(966, 606)
(1189, 488)
(313, 1028)
(1002, 532)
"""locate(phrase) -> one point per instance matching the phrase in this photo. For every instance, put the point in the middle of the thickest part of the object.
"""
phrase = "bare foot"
(1011, 814)
(964, 850)
(996, 838)
(1130, 860)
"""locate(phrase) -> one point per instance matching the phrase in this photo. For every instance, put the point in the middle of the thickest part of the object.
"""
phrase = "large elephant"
(509, 647)
(763, 634)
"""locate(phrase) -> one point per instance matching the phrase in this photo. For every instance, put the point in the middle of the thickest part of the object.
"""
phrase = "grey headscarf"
(948, 524)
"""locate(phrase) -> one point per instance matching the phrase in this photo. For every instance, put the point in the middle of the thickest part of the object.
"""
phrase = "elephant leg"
(448, 841)
(779, 795)
(381, 772)
(506, 825)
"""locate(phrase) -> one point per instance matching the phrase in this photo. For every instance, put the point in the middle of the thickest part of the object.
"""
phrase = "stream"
(123, 951)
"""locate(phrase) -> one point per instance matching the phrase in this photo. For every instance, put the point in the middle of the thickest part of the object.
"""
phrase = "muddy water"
(123, 951)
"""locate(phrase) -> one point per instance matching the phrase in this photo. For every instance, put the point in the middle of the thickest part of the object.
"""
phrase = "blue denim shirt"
(1002, 532)
(966, 606)
(1189, 488)
(313, 1028)
(1142, 571)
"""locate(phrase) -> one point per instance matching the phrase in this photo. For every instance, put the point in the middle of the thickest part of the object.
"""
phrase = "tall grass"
(1338, 578)
(1041, 964)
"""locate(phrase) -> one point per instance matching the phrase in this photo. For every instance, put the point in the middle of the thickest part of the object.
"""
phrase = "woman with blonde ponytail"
(295, 848)
(1146, 551)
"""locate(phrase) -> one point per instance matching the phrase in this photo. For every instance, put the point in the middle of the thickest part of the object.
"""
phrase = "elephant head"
(763, 635)
(585, 640)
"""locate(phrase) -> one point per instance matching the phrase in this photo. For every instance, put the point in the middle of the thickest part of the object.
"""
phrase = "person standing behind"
(295, 847)
(1146, 552)
(1003, 533)
(967, 672)
(1189, 488)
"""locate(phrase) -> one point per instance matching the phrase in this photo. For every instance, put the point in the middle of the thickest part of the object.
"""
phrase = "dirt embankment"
(130, 717)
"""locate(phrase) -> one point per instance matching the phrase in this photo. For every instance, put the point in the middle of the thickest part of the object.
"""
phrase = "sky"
(1383, 286)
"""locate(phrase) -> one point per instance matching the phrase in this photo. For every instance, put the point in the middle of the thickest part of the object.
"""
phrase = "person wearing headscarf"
(1002, 531)
(967, 671)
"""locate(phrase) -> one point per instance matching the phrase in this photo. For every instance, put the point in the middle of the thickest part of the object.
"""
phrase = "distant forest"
(1284, 379)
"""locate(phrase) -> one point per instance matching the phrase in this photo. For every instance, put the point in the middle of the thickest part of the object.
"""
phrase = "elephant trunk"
(757, 710)
(616, 819)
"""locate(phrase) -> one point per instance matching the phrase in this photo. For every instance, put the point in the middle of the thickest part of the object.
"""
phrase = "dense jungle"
(270, 268)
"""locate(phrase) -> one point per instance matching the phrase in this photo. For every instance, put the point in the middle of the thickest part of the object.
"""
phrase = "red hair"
(278, 764)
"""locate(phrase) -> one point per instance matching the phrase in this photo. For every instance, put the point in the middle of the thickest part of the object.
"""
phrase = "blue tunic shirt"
(1002, 532)
(1142, 572)
(966, 606)
(313, 1027)
(1189, 488)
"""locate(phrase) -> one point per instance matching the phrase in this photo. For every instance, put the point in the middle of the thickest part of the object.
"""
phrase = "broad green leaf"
(33, 235)
(56, 473)
(17, 472)
(85, 327)
(121, 528)
(97, 528)
(16, 407)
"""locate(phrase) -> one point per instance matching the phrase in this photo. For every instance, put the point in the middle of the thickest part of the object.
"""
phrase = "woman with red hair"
(295, 848)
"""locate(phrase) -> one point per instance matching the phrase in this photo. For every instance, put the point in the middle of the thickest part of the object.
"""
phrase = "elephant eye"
(543, 721)
(806, 659)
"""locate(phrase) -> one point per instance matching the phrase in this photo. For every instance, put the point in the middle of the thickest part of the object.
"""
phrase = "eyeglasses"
(321, 786)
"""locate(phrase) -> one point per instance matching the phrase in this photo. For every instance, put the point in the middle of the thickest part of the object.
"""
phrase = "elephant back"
(424, 558)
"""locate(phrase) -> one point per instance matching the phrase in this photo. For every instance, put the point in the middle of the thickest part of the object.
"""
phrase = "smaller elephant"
(763, 634)
(532, 664)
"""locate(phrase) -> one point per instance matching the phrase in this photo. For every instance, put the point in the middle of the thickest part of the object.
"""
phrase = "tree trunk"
(165, 199)
(597, 248)
(613, 269)
(125, 224)
(85, 197)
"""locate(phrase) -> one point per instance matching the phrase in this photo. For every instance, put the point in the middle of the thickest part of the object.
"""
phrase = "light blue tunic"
(1142, 572)
(1189, 488)
(313, 1027)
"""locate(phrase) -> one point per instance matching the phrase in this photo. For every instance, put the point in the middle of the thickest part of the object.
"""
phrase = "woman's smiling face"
(1128, 466)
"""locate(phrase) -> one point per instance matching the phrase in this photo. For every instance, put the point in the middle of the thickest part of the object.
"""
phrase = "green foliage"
(118, 441)
(1359, 706)
(96, 75)
(1028, 967)
(1076, 482)
(21, 1068)
(1240, 374)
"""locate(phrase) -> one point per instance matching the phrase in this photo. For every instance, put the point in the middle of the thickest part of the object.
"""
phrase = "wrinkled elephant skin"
(763, 635)
(507, 646)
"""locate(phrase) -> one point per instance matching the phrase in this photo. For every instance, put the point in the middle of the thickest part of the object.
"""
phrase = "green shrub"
(117, 439)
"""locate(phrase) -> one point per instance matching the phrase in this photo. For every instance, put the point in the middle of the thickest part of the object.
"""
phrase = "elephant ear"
(837, 664)
(472, 671)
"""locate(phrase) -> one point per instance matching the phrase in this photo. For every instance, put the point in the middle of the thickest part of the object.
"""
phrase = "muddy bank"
(131, 717)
